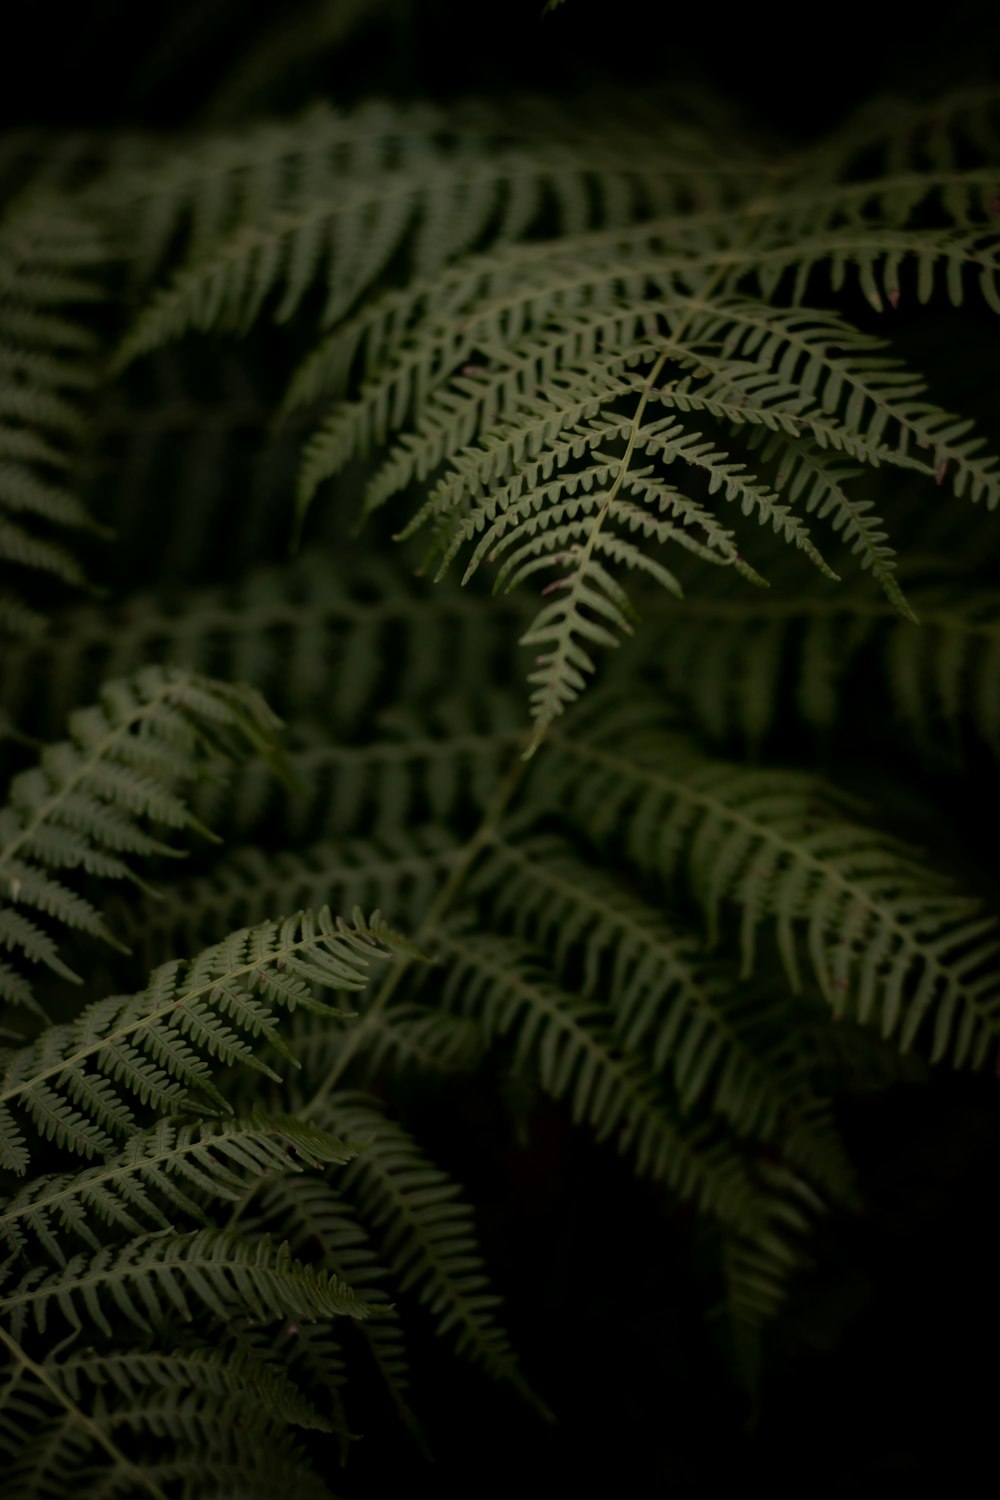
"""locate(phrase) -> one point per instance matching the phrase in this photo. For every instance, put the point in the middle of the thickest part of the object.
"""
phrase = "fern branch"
(50, 253)
(153, 1276)
(882, 931)
(83, 807)
(666, 1001)
(74, 1082)
(426, 1234)
(159, 1170)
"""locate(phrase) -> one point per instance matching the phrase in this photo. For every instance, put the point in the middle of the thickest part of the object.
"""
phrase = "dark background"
(884, 1367)
(171, 62)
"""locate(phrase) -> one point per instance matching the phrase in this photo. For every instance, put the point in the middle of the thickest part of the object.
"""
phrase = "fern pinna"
(686, 906)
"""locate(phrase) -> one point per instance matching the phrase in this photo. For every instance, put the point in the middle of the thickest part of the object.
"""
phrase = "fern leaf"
(77, 1084)
(336, 196)
(506, 986)
(322, 1225)
(888, 941)
(169, 1170)
(687, 1015)
(50, 253)
(154, 1276)
(280, 630)
(83, 807)
(425, 1231)
(401, 872)
(723, 655)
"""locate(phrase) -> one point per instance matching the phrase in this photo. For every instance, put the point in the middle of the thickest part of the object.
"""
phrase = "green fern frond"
(134, 1374)
(718, 1041)
(50, 254)
(323, 1227)
(757, 1272)
(832, 365)
(889, 942)
(155, 1276)
(507, 987)
(126, 763)
(423, 1038)
(425, 1232)
(97, 1450)
(381, 787)
(400, 872)
(171, 1169)
(79, 1083)
(319, 641)
(506, 372)
(725, 657)
(334, 196)
(571, 344)
(210, 1406)
(915, 135)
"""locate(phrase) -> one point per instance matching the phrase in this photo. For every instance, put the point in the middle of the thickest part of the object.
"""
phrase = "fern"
(83, 807)
(220, 1274)
(941, 675)
(425, 1233)
(336, 194)
(509, 988)
(76, 1084)
(686, 1014)
(275, 630)
(49, 255)
(887, 939)
(625, 362)
(171, 1166)
(400, 873)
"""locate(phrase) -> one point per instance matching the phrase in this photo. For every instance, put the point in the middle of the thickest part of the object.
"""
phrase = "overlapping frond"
(333, 196)
(125, 1423)
(398, 872)
(172, 1168)
(218, 1275)
(572, 348)
(89, 803)
(888, 940)
(719, 1042)
(322, 1227)
(425, 1232)
(508, 988)
(727, 658)
(81, 1084)
(319, 639)
(49, 258)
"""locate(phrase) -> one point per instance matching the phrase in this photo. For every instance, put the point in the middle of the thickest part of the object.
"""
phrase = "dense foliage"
(553, 531)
